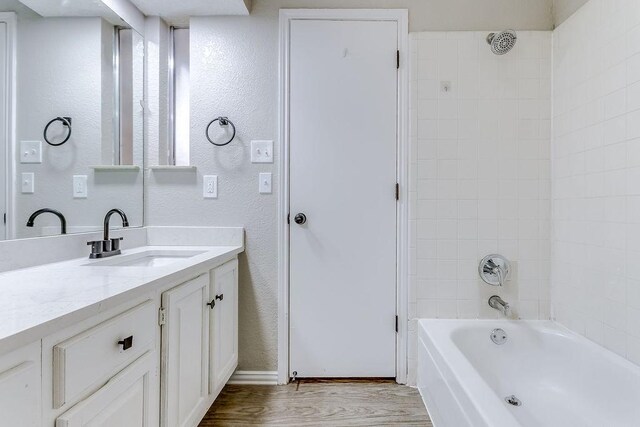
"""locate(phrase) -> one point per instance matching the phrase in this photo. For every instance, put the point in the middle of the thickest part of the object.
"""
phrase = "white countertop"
(39, 300)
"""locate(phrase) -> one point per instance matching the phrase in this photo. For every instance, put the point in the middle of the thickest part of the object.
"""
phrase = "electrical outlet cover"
(79, 186)
(210, 186)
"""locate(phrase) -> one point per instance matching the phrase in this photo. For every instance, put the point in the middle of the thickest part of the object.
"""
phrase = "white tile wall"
(479, 173)
(596, 174)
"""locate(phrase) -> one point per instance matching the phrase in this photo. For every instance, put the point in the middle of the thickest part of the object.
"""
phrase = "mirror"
(71, 118)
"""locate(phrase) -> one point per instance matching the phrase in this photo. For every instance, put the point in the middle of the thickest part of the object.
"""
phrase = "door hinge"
(162, 316)
(398, 59)
(396, 324)
(288, 219)
(397, 191)
(5, 217)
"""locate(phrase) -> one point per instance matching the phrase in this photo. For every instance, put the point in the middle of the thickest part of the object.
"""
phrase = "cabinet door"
(224, 325)
(185, 355)
(124, 401)
(20, 397)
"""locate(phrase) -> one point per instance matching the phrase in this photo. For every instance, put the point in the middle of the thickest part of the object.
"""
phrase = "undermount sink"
(150, 258)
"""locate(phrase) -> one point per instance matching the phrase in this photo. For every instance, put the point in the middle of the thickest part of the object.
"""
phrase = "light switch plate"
(261, 151)
(210, 187)
(79, 186)
(30, 151)
(28, 183)
(264, 183)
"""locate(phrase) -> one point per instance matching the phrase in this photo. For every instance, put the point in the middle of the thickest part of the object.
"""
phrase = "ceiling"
(178, 11)
(49, 8)
(563, 9)
(175, 12)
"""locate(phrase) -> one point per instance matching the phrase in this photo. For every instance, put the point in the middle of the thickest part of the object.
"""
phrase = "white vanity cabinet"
(185, 353)
(199, 344)
(20, 397)
(223, 325)
(156, 357)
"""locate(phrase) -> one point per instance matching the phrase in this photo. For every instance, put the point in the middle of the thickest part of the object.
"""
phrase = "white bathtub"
(561, 378)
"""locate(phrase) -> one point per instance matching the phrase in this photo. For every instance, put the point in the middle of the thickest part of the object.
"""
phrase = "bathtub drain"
(498, 336)
(512, 400)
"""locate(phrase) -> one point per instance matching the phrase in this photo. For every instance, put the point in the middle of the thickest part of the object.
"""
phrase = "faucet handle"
(97, 246)
(115, 243)
(494, 269)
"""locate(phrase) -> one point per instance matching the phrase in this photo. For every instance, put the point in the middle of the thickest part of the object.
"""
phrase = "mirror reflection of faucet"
(63, 220)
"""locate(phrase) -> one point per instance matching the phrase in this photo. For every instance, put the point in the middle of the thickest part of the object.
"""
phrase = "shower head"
(502, 42)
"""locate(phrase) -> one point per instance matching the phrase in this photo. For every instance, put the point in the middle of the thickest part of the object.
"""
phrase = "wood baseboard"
(254, 377)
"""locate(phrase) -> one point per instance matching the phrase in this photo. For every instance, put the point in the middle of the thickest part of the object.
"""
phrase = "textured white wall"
(235, 73)
(60, 73)
(479, 174)
(596, 175)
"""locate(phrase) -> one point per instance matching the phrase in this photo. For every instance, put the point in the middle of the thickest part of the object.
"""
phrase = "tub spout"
(499, 304)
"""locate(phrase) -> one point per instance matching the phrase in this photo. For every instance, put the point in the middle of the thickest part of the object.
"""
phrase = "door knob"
(300, 218)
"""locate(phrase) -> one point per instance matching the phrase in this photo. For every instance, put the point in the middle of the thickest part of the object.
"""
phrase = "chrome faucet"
(499, 304)
(108, 247)
(63, 221)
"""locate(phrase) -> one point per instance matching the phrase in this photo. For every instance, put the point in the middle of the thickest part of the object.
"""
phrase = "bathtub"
(560, 378)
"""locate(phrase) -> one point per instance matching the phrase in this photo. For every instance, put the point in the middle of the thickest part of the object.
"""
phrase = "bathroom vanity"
(145, 338)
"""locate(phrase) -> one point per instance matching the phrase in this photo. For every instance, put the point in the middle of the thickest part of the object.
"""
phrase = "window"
(179, 116)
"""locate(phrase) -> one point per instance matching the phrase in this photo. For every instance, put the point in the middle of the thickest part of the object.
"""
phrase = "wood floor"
(319, 403)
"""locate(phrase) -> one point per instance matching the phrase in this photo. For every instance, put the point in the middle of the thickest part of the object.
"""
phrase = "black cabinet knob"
(126, 343)
(212, 304)
(220, 297)
(300, 218)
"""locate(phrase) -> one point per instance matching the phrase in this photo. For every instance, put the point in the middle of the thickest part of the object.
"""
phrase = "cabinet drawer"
(90, 358)
(125, 401)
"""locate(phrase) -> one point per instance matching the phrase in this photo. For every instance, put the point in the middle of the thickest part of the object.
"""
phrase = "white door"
(124, 401)
(4, 144)
(185, 353)
(343, 144)
(224, 325)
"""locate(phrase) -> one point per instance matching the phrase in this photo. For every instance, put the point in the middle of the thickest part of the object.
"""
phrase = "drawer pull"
(220, 297)
(212, 304)
(126, 343)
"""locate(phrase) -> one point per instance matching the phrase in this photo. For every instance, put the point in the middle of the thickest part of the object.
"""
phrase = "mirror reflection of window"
(179, 116)
(4, 137)
(123, 73)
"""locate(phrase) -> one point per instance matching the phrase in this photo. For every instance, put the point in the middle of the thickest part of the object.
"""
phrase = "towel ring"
(66, 122)
(224, 121)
